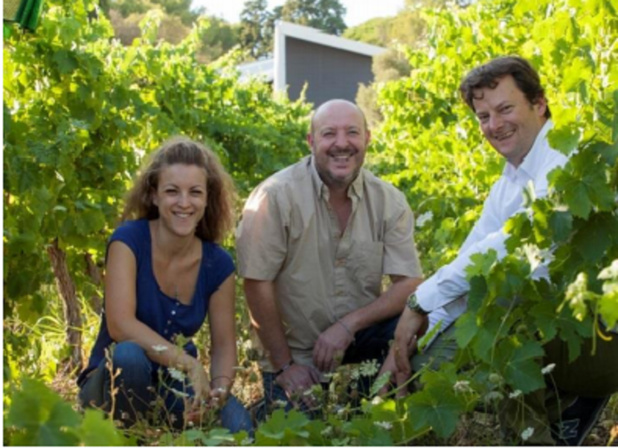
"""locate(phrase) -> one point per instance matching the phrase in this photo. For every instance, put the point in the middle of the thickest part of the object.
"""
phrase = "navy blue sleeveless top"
(162, 313)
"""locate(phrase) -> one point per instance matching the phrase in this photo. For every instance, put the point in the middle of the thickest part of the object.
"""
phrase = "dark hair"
(218, 217)
(488, 75)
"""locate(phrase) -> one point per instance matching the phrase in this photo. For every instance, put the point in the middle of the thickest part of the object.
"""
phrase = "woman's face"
(181, 197)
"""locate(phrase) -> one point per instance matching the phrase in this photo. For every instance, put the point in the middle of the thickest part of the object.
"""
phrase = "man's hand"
(218, 397)
(396, 378)
(411, 326)
(331, 346)
(295, 380)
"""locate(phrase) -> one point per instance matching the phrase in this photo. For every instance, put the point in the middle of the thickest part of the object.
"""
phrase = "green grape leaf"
(65, 61)
(485, 340)
(579, 72)
(436, 409)
(572, 331)
(564, 138)
(518, 228)
(577, 199)
(367, 432)
(481, 264)
(545, 319)
(561, 224)
(594, 239)
(280, 427)
(522, 370)
(466, 329)
(43, 415)
(478, 292)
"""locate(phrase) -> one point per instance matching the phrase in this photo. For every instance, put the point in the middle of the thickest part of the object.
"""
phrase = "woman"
(165, 273)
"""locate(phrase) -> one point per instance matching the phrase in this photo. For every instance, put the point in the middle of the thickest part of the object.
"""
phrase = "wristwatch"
(414, 305)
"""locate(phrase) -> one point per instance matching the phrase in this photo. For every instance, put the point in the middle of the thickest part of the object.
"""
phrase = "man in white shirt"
(509, 101)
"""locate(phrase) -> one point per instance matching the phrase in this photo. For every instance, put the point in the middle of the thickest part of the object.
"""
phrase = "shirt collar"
(355, 189)
(531, 165)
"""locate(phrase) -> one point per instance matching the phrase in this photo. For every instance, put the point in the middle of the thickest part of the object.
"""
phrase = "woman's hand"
(199, 381)
(201, 401)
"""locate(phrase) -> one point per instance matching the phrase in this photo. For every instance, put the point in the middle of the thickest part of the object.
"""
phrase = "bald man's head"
(338, 141)
(336, 102)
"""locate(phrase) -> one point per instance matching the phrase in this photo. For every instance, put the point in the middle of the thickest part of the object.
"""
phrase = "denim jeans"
(370, 343)
(139, 384)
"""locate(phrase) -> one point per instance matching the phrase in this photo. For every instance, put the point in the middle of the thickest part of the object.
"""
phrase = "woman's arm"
(123, 325)
(221, 315)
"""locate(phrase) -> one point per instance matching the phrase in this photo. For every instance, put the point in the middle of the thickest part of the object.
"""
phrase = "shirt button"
(169, 322)
(165, 331)
(173, 312)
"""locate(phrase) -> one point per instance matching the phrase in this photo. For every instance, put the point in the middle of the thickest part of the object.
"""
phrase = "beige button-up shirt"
(290, 235)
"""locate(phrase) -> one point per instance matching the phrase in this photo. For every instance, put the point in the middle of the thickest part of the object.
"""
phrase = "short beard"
(335, 182)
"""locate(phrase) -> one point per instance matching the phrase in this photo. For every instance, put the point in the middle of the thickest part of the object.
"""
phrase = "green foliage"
(196, 437)
(257, 23)
(38, 416)
(256, 28)
(177, 19)
(374, 31)
(325, 15)
(179, 8)
(430, 147)
(408, 27)
(81, 111)
(283, 429)
(219, 38)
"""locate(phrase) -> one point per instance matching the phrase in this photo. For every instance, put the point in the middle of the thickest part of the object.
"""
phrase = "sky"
(358, 11)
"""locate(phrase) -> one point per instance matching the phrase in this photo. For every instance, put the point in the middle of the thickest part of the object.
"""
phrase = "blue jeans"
(370, 343)
(139, 385)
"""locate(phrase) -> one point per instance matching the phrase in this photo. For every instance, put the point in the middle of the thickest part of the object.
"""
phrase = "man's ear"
(310, 140)
(367, 137)
(541, 104)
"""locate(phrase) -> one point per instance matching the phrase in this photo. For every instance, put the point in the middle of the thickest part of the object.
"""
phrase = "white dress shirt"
(443, 293)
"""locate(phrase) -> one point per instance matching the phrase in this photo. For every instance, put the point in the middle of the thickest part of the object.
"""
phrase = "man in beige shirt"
(313, 246)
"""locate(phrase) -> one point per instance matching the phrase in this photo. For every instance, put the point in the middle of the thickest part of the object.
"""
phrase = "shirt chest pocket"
(367, 259)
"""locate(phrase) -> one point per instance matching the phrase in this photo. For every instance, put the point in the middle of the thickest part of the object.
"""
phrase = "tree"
(218, 38)
(71, 147)
(256, 28)
(388, 66)
(406, 29)
(258, 24)
(179, 8)
(176, 20)
(325, 15)
(374, 31)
